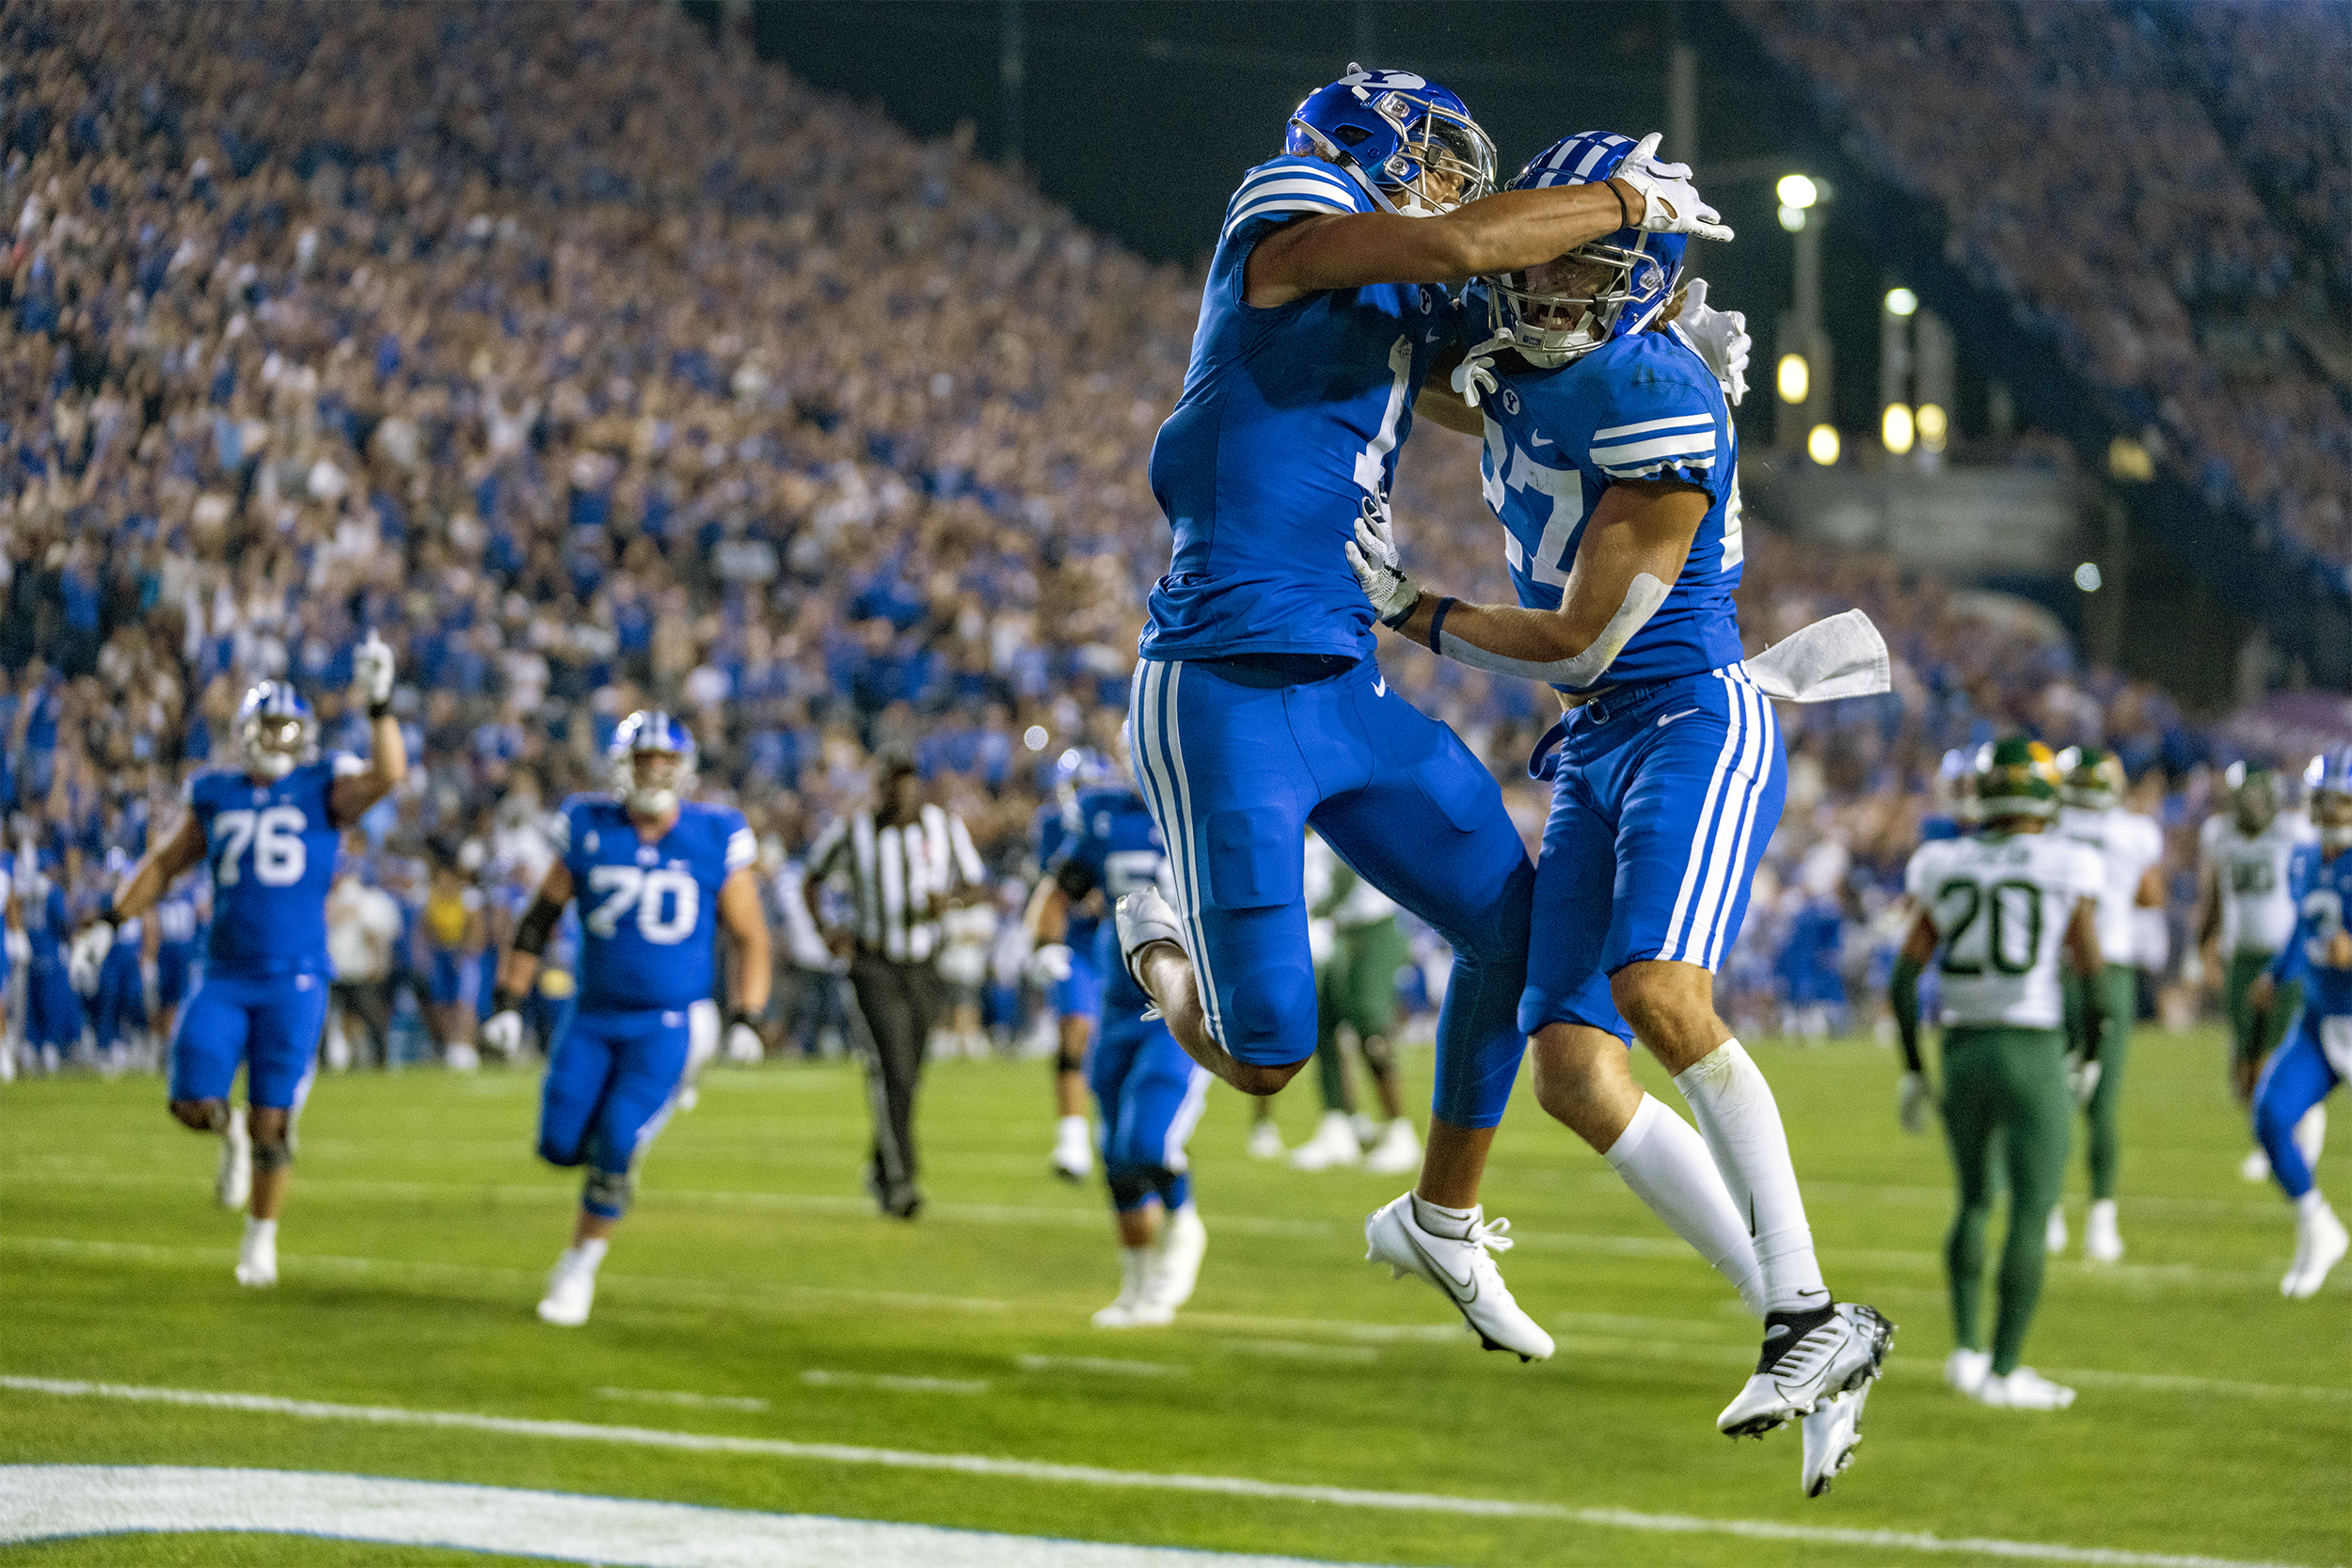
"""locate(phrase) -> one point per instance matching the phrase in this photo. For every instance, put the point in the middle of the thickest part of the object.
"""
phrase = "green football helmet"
(2015, 778)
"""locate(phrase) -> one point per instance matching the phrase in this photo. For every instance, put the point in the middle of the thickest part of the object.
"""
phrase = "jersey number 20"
(275, 834)
(667, 902)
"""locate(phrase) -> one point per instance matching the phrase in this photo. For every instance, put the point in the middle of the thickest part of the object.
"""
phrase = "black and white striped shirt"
(898, 877)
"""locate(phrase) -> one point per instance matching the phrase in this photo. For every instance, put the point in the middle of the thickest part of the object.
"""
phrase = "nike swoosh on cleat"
(1456, 1287)
(1672, 716)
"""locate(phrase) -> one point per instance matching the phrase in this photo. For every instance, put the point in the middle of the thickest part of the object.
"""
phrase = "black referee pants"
(899, 1002)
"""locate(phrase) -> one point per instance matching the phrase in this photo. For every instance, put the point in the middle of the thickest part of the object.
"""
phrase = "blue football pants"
(2297, 1077)
(608, 1088)
(272, 1025)
(1236, 768)
(1150, 1093)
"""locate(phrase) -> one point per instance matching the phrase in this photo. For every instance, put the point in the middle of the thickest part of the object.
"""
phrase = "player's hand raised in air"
(1721, 337)
(1671, 203)
(372, 671)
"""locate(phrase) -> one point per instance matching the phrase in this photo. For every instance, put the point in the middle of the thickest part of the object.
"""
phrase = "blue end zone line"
(1089, 1475)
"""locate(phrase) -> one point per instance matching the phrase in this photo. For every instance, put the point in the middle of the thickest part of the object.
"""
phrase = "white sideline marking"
(45, 1501)
(693, 1292)
(1090, 1475)
(2134, 1276)
(818, 1377)
(1100, 1364)
(696, 1402)
(1299, 1350)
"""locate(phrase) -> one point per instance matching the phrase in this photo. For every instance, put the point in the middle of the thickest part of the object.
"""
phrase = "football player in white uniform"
(1996, 912)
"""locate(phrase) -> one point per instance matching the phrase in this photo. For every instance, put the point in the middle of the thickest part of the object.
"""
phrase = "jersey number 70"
(667, 903)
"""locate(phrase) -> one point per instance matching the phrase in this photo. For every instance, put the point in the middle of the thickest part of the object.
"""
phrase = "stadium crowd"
(828, 438)
(2083, 179)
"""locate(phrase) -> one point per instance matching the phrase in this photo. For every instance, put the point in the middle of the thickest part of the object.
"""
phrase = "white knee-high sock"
(1740, 1122)
(1668, 1167)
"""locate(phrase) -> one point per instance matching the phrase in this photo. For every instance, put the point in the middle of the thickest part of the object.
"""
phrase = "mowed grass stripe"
(1094, 1476)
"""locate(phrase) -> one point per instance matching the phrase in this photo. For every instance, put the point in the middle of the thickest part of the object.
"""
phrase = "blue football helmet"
(277, 732)
(1409, 142)
(653, 762)
(2329, 781)
(1632, 274)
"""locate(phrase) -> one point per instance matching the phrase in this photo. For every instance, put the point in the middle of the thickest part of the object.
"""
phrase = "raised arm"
(1632, 550)
(350, 797)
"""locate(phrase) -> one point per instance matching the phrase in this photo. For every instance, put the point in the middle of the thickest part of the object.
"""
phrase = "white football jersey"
(2250, 875)
(2000, 904)
(2128, 843)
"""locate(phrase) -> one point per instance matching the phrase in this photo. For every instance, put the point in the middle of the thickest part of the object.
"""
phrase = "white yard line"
(1089, 1475)
(1108, 1365)
(1299, 1350)
(1643, 1346)
(895, 1382)
(690, 1400)
(45, 1501)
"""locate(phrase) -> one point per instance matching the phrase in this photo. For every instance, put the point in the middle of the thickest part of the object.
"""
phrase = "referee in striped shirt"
(899, 866)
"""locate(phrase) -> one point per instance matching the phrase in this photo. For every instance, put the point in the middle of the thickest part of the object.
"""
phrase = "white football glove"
(88, 956)
(1373, 557)
(371, 670)
(1474, 376)
(1671, 203)
(744, 1046)
(1049, 965)
(503, 1033)
(1721, 337)
(2082, 1078)
(1916, 1102)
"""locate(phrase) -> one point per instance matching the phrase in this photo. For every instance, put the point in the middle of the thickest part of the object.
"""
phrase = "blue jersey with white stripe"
(271, 847)
(1641, 408)
(1286, 432)
(1116, 843)
(2322, 888)
(649, 912)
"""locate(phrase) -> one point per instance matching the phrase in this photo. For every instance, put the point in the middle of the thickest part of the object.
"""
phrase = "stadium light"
(1797, 191)
(1793, 219)
(1902, 302)
(1821, 446)
(1896, 428)
(2087, 577)
(1935, 426)
(1796, 378)
(1035, 737)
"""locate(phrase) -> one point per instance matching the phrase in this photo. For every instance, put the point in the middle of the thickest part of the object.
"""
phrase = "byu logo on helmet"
(1607, 289)
(653, 762)
(1397, 135)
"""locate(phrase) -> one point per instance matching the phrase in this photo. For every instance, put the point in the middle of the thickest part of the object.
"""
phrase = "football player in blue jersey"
(1610, 462)
(268, 832)
(53, 1008)
(1150, 1092)
(656, 875)
(1257, 707)
(2317, 1057)
(1062, 962)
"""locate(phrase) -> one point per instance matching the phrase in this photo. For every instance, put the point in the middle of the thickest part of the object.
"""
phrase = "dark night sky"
(1141, 115)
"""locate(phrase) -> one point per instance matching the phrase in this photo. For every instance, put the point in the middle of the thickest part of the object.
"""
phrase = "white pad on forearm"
(1841, 657)
(1642, 599)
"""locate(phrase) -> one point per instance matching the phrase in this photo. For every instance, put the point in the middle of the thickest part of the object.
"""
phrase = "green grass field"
(754, 1294)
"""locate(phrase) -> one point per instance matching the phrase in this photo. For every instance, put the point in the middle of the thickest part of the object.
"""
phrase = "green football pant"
(1357, 988)
(2005, 1100)
(2118, 1001)
(2243, 969)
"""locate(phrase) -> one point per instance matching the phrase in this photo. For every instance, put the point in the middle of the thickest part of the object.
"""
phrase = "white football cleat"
(1397, 1154)
(1334, 1144)
(257, 1255)
(1121, 1312)
(1265, 1141)
(2055, 1237)
(571, 1290)
(1074, 1150)
(2255, 1166)
(232, 1183)
(2102, 1241)
(2320, 1243)
(1830, 1434)
(1142, 919)
(2024, 1389)
(1463, 1268)
(461, 1057)
(1967, 1369)
(1808, 1357)
(1176, 1262)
